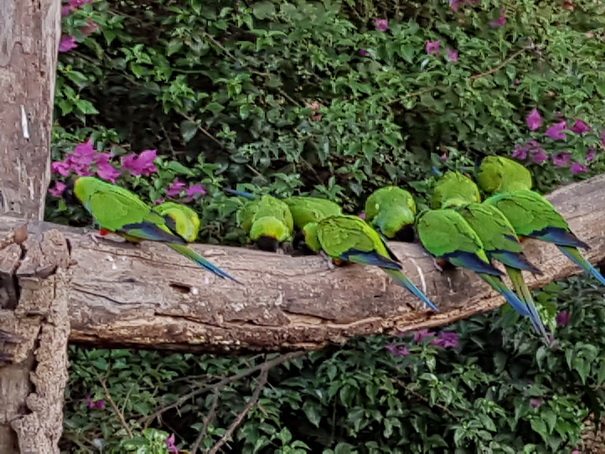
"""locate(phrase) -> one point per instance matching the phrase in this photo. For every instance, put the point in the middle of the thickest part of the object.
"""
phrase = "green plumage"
(180, 219)
(267, 217)
(454, 187)
(310, 209)
(498, 174)
(123, 212)
(350, 238)
(527, 211)
(390, 210)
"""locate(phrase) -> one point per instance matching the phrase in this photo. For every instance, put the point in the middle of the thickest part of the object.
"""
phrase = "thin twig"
(423, 398)
(262, 381)
(225, 381)
(501, 65)
(116, 409)
(207, 420)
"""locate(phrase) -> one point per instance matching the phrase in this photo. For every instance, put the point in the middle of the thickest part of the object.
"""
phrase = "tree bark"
(149, 297)
(33, 302)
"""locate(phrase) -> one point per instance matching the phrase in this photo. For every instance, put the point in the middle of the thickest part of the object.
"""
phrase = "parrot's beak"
(406, 234)
(267, 243)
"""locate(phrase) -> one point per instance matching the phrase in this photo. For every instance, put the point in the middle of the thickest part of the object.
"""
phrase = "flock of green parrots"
(459, 229)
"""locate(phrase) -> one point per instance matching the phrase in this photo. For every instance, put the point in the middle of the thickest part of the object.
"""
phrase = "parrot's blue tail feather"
(405, 282)
(575, 256)
(201, 261)
(507, 293)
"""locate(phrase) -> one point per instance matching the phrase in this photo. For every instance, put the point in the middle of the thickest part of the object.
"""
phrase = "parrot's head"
(268, 232)
(69, 195)
(499, 174)
(454, 185)
(396, 224)
(311, 237)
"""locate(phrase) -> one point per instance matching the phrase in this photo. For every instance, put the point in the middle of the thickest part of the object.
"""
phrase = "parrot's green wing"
(246, 215)
(390, 210)
(499, 174)
(445, 233)
(180, 219)
(454, 186)
(310, 209)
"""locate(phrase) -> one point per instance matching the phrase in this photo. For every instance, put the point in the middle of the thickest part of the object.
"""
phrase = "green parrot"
(391, 210)
(530, 213)
(180, 219)
(267, 221)
(120, 211)
(310, 209)
(499, 174)
(445, 234)
(460, 193)
(351, 239)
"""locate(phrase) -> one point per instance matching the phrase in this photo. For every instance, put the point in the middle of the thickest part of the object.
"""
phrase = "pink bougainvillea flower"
(98, 404)
(62, 168)
(500, 21)
(382, 25)
(534, 120)
(520, 152)
(67, 43)
(78, 3)
(362, 215)
(195, 190)
(83, 153)
(535, 403)
(398, 350)
(175, 188)
(58, 189)
(141, 164)
(563, 318)
(452, 55)
(170, 444)
(539, 156)
(556, 130)
(561, 159)
(422, 334)
(446, 339)
(364, 52)
(432, 47)
(90, 28)
(107, 172)
(591, 153)
(66, 10)
(577, 168)
(580, 127)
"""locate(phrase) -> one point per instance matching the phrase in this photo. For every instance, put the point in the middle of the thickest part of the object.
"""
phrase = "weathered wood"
(33, 383)
(29, 37)
(148, 296)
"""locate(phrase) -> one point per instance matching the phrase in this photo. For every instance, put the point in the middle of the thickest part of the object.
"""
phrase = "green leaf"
(188, 130)
(312, 411)
(263, 10)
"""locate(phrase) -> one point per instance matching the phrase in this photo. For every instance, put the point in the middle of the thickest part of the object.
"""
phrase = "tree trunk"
(147, 296)
(33, 302)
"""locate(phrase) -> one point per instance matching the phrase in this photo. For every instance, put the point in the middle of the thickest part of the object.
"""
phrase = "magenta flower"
(66, 10)
(577, 168)
(58, 189)
(520, 152)
(452, 55)
(62, 168)
(67, 43)
(398, 350)
(446, 339)
(364, 52)
(591, 153)
(382, 25)
(432, 47)
(78, 3)
(563, 318)
(362, 215)
(500, 21)
(90, 28)
(83, 153)
(141, 164)
(175, 188)
(196, 189)
(172, 449)
(98, 404)
(580, 127)
(556, 130)
(107, 172)
(561, 159)
(535, 403)
(534, 120)
(422, 334)
(539, 156)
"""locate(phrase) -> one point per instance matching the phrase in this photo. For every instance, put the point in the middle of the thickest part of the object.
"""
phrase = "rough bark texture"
(29, 37)
(148, 296)
(34, 288)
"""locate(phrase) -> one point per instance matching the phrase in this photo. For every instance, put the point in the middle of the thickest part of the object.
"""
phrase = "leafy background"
(319, 97)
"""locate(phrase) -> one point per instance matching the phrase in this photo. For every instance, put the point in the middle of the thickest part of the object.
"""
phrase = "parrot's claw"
(437, 265)
(328, 260)
(95, 237)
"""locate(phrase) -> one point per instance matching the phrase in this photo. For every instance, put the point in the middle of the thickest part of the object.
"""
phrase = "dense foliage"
(176, 99)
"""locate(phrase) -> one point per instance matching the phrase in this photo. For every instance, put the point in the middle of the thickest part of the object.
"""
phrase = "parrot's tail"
(201, 261)
(514, 260)
(512, 299)
(403, 280)
(245, 194)
(516, 277)
(575, 256)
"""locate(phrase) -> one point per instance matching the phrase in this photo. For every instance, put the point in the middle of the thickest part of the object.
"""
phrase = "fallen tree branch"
(150, 297)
